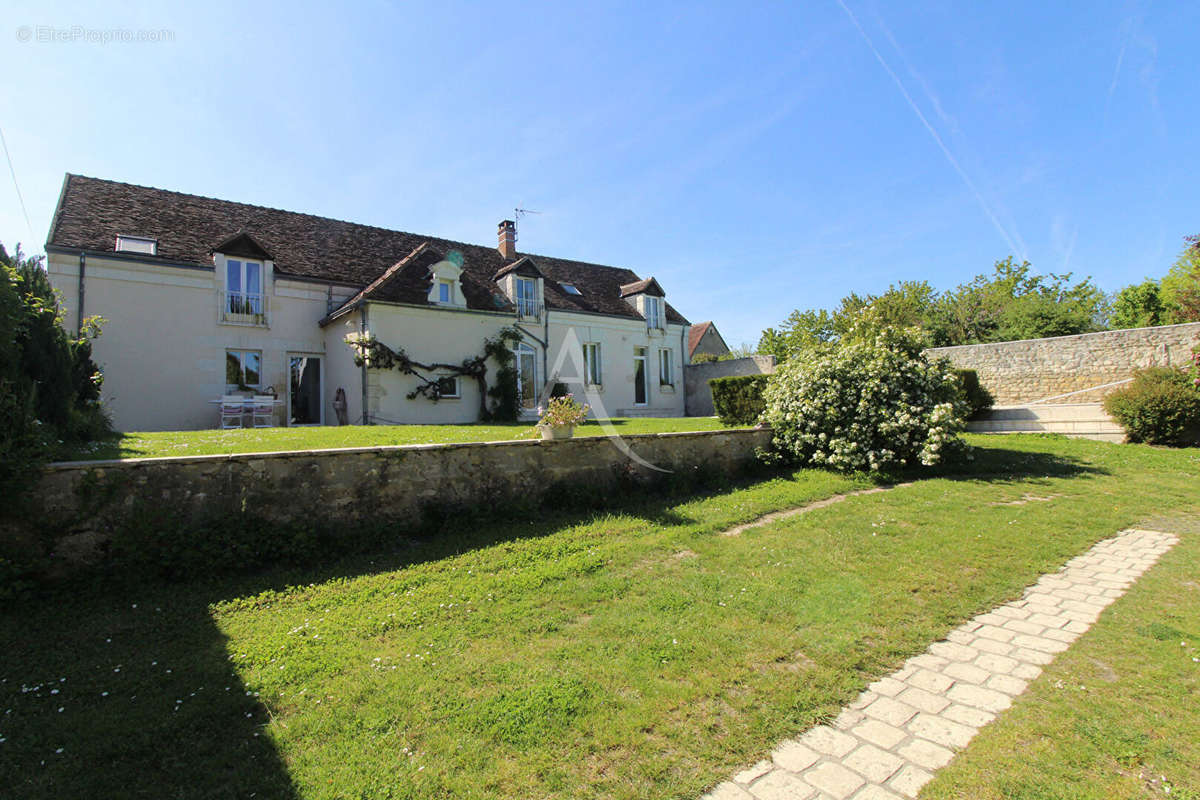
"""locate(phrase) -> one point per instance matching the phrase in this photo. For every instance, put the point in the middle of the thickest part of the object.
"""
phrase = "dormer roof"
(523, 266)
(648, 286)
(242, 244)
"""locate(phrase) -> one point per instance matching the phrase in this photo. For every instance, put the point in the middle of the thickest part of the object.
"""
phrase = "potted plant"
(560, 416)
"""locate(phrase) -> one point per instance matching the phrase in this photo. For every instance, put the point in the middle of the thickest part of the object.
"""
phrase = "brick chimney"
(508, 239)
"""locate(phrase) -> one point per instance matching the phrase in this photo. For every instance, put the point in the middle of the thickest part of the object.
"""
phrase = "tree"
(50, 385)
(1181, 286)
(1012, 302)
(1016, 303)
(800, 330)
(1139, 305)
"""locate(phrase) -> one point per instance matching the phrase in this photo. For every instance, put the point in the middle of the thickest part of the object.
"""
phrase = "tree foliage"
(1139, 305)
(49, 385)
(1181, 286)
(1012, 302)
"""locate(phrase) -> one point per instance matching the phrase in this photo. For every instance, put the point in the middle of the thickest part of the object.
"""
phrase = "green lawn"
(628, 654)
(218, 442)
(1117, 715)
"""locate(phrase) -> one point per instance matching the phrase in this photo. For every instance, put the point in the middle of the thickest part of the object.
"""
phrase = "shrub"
(738, 399)
(873, 403)
(1160, 406)
(977, 398)
(49, 385)
(705, 358)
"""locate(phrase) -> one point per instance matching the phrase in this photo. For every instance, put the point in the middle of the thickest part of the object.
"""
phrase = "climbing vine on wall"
(376, 355)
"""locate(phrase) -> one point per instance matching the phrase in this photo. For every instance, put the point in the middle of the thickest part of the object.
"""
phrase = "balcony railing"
(529, 310)
(243, 308)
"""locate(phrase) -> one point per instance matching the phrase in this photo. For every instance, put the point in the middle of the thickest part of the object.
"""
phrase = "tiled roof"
(696, 333)
(648, 286)
(92, 212)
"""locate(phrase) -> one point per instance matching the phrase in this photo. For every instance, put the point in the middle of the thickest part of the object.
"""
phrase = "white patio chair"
(232, 406)
(263, 411)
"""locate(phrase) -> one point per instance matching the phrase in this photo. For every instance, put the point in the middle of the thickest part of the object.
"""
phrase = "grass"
(154, 444)
(628, 654)
(1116, 716)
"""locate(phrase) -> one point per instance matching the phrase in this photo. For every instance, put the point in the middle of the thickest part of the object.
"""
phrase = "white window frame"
(136, 244)
(241, 352)
(666, 367)
(261, 296)
(527, 306)
(457, 395)
(654, 313)
(642, 354)
(593, 364)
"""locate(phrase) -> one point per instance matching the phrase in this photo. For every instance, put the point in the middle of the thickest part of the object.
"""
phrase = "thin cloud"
(1129, 26)
(1009, 239)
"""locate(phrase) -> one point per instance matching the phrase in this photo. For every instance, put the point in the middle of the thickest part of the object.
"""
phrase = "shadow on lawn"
(136, 686)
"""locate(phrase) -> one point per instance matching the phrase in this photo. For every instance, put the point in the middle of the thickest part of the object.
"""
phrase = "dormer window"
(654, 315)
(136, 244)
(445, 288)
(244, 302)
(528, 303)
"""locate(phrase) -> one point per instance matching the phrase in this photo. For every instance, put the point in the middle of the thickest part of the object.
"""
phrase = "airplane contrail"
(979, 198)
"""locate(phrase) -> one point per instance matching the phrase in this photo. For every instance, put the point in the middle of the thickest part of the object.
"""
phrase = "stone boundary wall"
(89, 499)
(699, 401)
(1035, 369)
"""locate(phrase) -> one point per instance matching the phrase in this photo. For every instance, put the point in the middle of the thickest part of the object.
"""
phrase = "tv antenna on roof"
(517, 214)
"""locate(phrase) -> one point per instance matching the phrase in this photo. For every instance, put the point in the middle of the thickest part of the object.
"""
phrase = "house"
(205, 297)
(705, 339)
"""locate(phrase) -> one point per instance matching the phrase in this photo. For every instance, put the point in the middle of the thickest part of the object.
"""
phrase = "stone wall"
(697, 376)
(88, 500)
(1036, 369)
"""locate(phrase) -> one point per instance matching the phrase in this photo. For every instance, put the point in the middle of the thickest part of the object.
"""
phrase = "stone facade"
(90, 498)
(697, 376)
(1038, 369)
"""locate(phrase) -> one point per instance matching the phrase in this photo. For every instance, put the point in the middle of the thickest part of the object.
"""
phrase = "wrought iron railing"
(530, 310)
(243, 308)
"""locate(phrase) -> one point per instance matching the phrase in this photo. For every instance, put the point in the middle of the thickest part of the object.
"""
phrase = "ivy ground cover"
(632, 653)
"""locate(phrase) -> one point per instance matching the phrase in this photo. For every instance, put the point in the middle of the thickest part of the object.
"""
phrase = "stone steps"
(1079, 420)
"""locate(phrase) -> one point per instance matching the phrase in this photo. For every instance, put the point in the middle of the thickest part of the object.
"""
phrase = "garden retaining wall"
(1036, 369)
(88, 500)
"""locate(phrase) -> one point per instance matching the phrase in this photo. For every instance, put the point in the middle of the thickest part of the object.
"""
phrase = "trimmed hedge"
(1160, 406)
(978, 398)
(738, 399)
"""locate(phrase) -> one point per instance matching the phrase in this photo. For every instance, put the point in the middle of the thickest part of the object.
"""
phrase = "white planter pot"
(563, 432)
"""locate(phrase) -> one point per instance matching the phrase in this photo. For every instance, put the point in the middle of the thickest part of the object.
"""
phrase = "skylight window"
(137, 244)
(570, 288)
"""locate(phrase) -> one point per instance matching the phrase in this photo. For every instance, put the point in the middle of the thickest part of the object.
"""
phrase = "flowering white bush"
(871, 404)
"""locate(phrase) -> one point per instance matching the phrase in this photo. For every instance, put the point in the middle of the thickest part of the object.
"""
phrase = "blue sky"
(754, 159)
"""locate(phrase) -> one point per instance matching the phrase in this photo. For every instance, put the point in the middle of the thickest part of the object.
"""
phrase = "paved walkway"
(888, 743)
